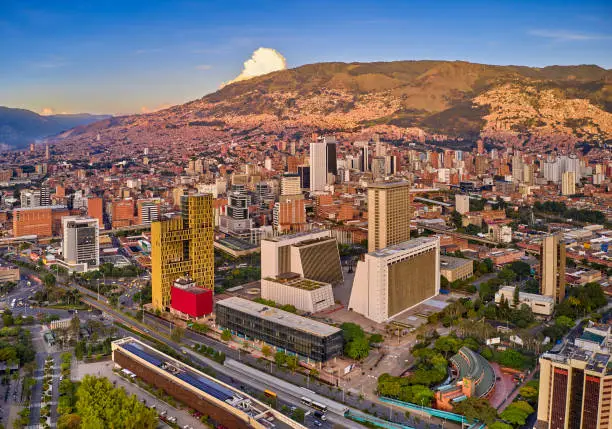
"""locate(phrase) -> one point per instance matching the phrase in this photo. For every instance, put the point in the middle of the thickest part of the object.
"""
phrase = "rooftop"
(596, 362)
(56, 207)
(401, 247)
(388, 185)
(298, 282)
(279, 316)
(451, 262)
(288, 237)
(473, 366)
(530, 296)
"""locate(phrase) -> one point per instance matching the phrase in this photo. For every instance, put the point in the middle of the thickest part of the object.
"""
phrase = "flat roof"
(23, 209)
(452, 262)
(531, 296)
(400, 247)
(387, 185)
(287, 237)
(299, 283)
(278, 316)
(236, 243)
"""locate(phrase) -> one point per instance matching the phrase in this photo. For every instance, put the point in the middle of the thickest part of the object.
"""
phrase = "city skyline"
(141, 57)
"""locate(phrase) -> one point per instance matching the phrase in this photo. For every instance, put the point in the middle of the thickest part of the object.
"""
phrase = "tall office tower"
(47, 156)
(528, 176)
(388, 214)
(576, 383)
(378, 167)
(290, 185)
(552, 268)
(95, 210)
(568, 183)
(390, 165)
(364, 158)
(392, 280)
(183, 246)
(380, 147)
(81, 243)
(304, 173)
(462, 203)
(147, 212)
(318, 166)
(551, 170)
(331, 155)
(517, 168)
(199, 166)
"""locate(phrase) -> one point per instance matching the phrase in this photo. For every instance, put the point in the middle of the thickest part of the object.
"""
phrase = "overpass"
(438, 230)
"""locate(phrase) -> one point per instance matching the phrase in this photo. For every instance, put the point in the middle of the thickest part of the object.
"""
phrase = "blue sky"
(131, 56)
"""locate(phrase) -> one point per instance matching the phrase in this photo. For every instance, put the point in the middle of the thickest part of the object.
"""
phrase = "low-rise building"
(9, 274)
(304, 294)
(456, 268)
(281, 329)
(540, 304)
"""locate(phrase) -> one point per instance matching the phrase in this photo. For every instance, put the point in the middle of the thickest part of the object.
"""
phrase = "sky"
(126, 56)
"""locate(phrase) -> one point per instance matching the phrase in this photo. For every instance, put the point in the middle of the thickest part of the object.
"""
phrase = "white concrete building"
(81, 243)
(318, 166)
(304, 294)
(392, 280)
(540, 304)
(312, 255)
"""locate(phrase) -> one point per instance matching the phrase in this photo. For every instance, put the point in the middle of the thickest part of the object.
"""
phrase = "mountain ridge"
(457, 99)
(18, 126)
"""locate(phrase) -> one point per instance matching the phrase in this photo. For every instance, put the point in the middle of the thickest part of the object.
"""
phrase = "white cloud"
(204, 67)
(564, 35)
(263, 61)
(46, 111)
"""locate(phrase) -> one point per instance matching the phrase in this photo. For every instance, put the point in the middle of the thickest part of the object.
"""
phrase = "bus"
(319, 406)
(306, 401)
(270, 394)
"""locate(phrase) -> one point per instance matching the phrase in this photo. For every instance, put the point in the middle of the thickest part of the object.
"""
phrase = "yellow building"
(568, 183)
(456, 268)
(183, 245)
(388, 214)
(552, 268)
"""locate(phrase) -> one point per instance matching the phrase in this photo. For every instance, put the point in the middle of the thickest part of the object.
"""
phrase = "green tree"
(226, 335)
(500, 425)
(457, 219)
(357, 349)
(100, 405)
(476, 409)
(298, 415)
(266, 350)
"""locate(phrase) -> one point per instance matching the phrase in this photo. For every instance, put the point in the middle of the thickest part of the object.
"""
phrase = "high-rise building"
(552, 268)
(95, 210)
(237, 217)
(33, 221)
(576, 383)
(392, 280)
(81, 242)
(462, 203)
(304, 173)
(332, 157)
(568, 183)
(122, 213)
(290, 185)
(147, 212)
(183, 246)
(364, 158)
(289, 214)
(318, 166)
(388, 214)
(36, 198)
